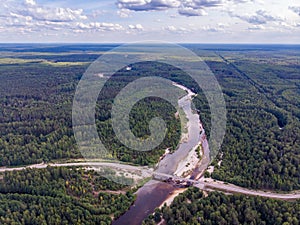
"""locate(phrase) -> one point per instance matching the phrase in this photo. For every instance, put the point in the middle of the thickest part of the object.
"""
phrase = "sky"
(125, 21)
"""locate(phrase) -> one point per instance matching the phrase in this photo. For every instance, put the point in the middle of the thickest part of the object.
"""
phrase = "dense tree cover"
(36, 110)
(141, 113)
(192, 207)
(60, 196)
(261, 89)
(36, 113)
(261, 145)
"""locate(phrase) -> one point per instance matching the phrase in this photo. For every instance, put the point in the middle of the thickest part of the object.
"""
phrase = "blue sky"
(106, 21)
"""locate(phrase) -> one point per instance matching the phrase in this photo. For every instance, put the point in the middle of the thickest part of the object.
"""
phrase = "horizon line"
(121, 43)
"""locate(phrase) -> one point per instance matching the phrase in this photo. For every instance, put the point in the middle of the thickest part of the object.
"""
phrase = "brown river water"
(149, 197)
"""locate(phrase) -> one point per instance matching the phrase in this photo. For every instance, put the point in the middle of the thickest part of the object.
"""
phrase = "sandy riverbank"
(186, 166)
(172, 196)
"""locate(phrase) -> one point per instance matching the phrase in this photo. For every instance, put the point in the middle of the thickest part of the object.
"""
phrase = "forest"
(194, 208)
(260, 86)
(261, 145)
(61, 196)
(36, 115)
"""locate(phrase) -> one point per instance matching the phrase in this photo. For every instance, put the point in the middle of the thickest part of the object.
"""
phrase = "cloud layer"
(147, 5)
(185, 7)
(32, 17)
(133, 20)
(295, 9)
(260, 17)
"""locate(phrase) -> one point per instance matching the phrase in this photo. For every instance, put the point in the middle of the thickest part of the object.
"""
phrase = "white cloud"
(30, 2)
(99, 26)
(29, 8)
(260, 17)
(188, 11)
(123, 13)
(223, 25)
(257, 27)
(170, 28)
(192, 29)
(26, 18)
(31, 17)
(52, 14)
(288, 25)
(295, 9)
(197, 4)
(174, 29)
(97, 12)
(228, 20)
(136, 27)
(185, 7)
(210, 28)
(148, 5)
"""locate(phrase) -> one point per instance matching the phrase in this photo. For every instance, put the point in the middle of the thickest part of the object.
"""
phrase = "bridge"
(176, 180)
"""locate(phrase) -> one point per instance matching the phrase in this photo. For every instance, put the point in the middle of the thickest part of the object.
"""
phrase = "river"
(154, 193)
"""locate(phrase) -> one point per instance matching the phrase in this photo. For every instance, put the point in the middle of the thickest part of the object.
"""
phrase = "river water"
(154, 193)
